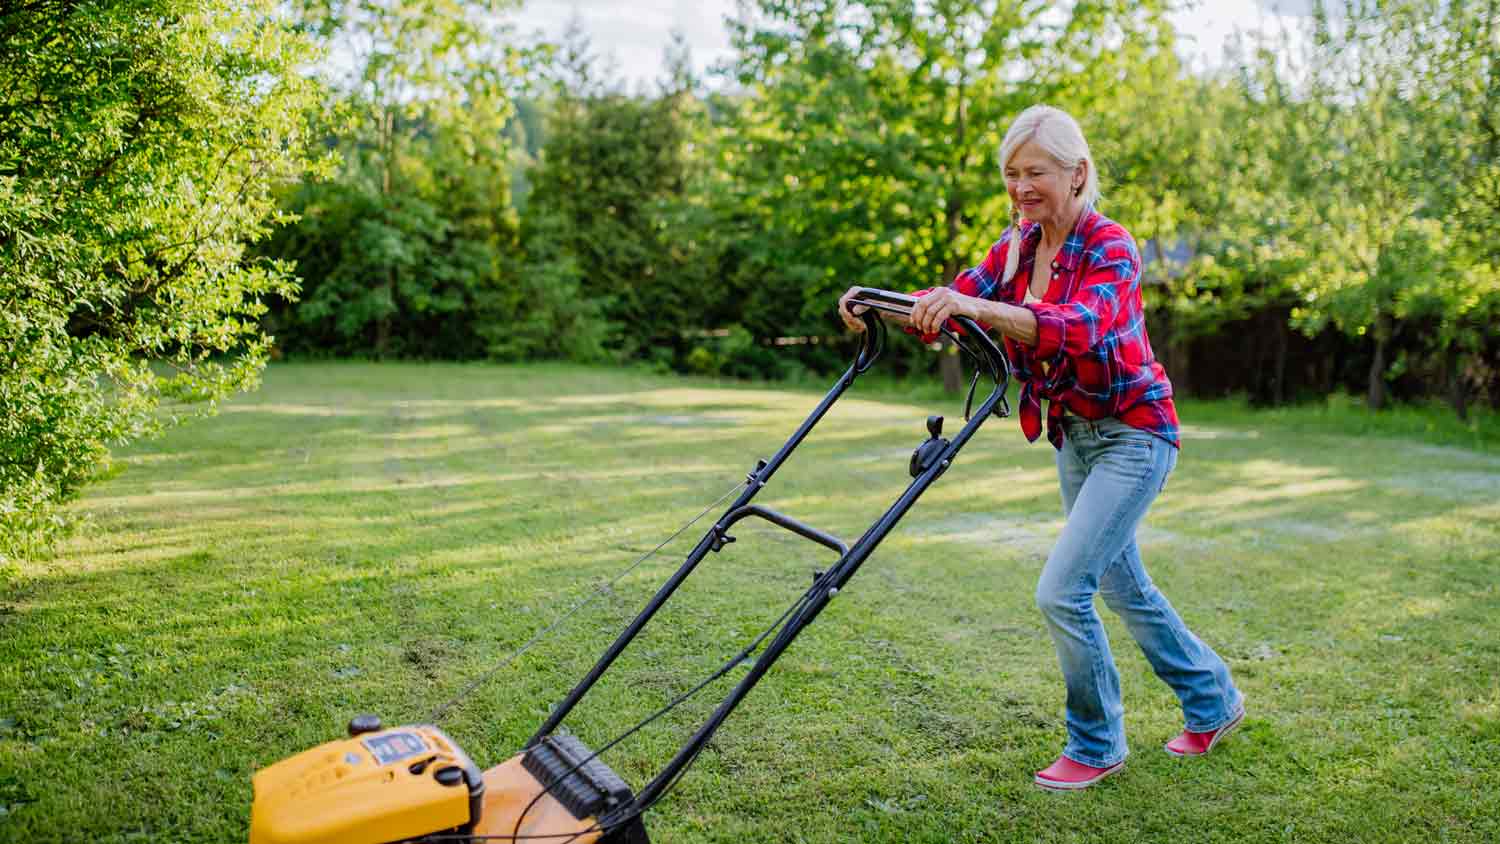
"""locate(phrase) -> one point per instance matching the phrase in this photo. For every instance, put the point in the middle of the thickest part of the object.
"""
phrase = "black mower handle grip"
(885, 300)
(901, 304)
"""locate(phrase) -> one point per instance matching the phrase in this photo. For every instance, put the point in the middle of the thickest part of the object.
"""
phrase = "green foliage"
(407, 251)
(1362, 204)
(139, 146)
(1340, 181)
(414, 272)
(1344, 183)
(857, 148)
(614, 259)
(545, 314)
(735, 352)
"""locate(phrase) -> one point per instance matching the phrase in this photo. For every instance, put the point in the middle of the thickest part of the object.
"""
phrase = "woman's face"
(1038, 186)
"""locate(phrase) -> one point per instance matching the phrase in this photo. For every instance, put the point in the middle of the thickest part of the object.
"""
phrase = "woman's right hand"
(850, 311)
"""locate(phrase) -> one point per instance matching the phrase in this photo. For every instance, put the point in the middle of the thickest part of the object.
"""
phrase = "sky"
(635, 33)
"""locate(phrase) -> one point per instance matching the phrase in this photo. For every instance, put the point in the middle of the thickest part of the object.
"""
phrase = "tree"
(407, 250)
(1464, 91)
(139, 147)
(610, 228)
(1393, 112)
(1242, 178)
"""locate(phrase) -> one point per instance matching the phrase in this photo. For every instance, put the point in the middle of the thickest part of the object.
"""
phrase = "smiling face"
(1040, 188)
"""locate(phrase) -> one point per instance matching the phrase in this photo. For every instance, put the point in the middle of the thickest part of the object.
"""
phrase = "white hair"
(1058, 134)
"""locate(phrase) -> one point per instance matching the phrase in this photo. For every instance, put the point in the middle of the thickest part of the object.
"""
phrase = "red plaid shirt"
(1092, 355)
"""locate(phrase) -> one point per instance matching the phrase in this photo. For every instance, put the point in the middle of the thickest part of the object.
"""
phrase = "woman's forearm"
(1019, 324)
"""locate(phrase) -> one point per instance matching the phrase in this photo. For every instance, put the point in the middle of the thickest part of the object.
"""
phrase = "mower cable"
(602, 589)
(614, 822)
(797, 606)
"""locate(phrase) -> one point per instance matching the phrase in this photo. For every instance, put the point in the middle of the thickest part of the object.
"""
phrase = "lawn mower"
(415, 784)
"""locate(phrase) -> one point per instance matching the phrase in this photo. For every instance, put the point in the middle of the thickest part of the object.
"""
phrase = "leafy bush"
(139, 144)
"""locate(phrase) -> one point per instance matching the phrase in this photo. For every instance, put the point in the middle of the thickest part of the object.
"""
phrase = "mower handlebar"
(886, 300)
(901, 304)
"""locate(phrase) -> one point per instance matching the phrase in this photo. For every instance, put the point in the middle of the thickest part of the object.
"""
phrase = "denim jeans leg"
(1107, 486)
(1194, 672)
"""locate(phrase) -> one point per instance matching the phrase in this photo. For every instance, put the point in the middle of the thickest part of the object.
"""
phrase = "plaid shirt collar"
(1071, 254)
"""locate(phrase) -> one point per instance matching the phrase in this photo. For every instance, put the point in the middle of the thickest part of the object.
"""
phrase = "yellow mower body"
(402, 784)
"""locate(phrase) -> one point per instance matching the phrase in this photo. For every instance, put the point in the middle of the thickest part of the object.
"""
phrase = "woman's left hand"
(935, 308)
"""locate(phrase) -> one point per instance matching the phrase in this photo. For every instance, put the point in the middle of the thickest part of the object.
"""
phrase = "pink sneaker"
(1190, 743)
(1067, 775)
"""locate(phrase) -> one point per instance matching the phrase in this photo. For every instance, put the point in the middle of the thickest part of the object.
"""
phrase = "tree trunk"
(1375, 398)
(388, 286)
(1328, 365)
(1455, 378)
(948, 362)
(951, 368)
(1278, 385)
(1258, 387)
(1177, 364)
(1181, 374)
(383, 322)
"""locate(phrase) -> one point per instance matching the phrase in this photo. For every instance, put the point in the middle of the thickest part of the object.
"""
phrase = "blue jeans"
(1110, 474)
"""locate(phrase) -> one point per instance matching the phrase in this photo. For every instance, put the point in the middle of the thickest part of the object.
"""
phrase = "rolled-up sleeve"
(1110, 280)
(982, 281)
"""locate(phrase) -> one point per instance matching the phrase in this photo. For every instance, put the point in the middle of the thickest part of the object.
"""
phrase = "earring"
(1078, 190)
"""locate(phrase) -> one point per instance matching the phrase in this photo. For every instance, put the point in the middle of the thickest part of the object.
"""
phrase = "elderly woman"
(1063, 287)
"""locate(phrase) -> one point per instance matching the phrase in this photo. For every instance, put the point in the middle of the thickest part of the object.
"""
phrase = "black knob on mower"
(927, 453)
(360, 724)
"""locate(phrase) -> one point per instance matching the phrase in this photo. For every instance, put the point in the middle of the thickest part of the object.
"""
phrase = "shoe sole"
(1055, 785)
(1220, 736)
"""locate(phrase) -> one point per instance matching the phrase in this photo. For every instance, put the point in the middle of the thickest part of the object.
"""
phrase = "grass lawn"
(361, 538)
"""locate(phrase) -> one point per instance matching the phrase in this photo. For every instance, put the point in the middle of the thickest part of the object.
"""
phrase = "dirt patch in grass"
(1028, 537)
(427, 656)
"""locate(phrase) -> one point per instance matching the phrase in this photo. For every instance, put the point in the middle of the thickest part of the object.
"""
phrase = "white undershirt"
(1031, 297)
